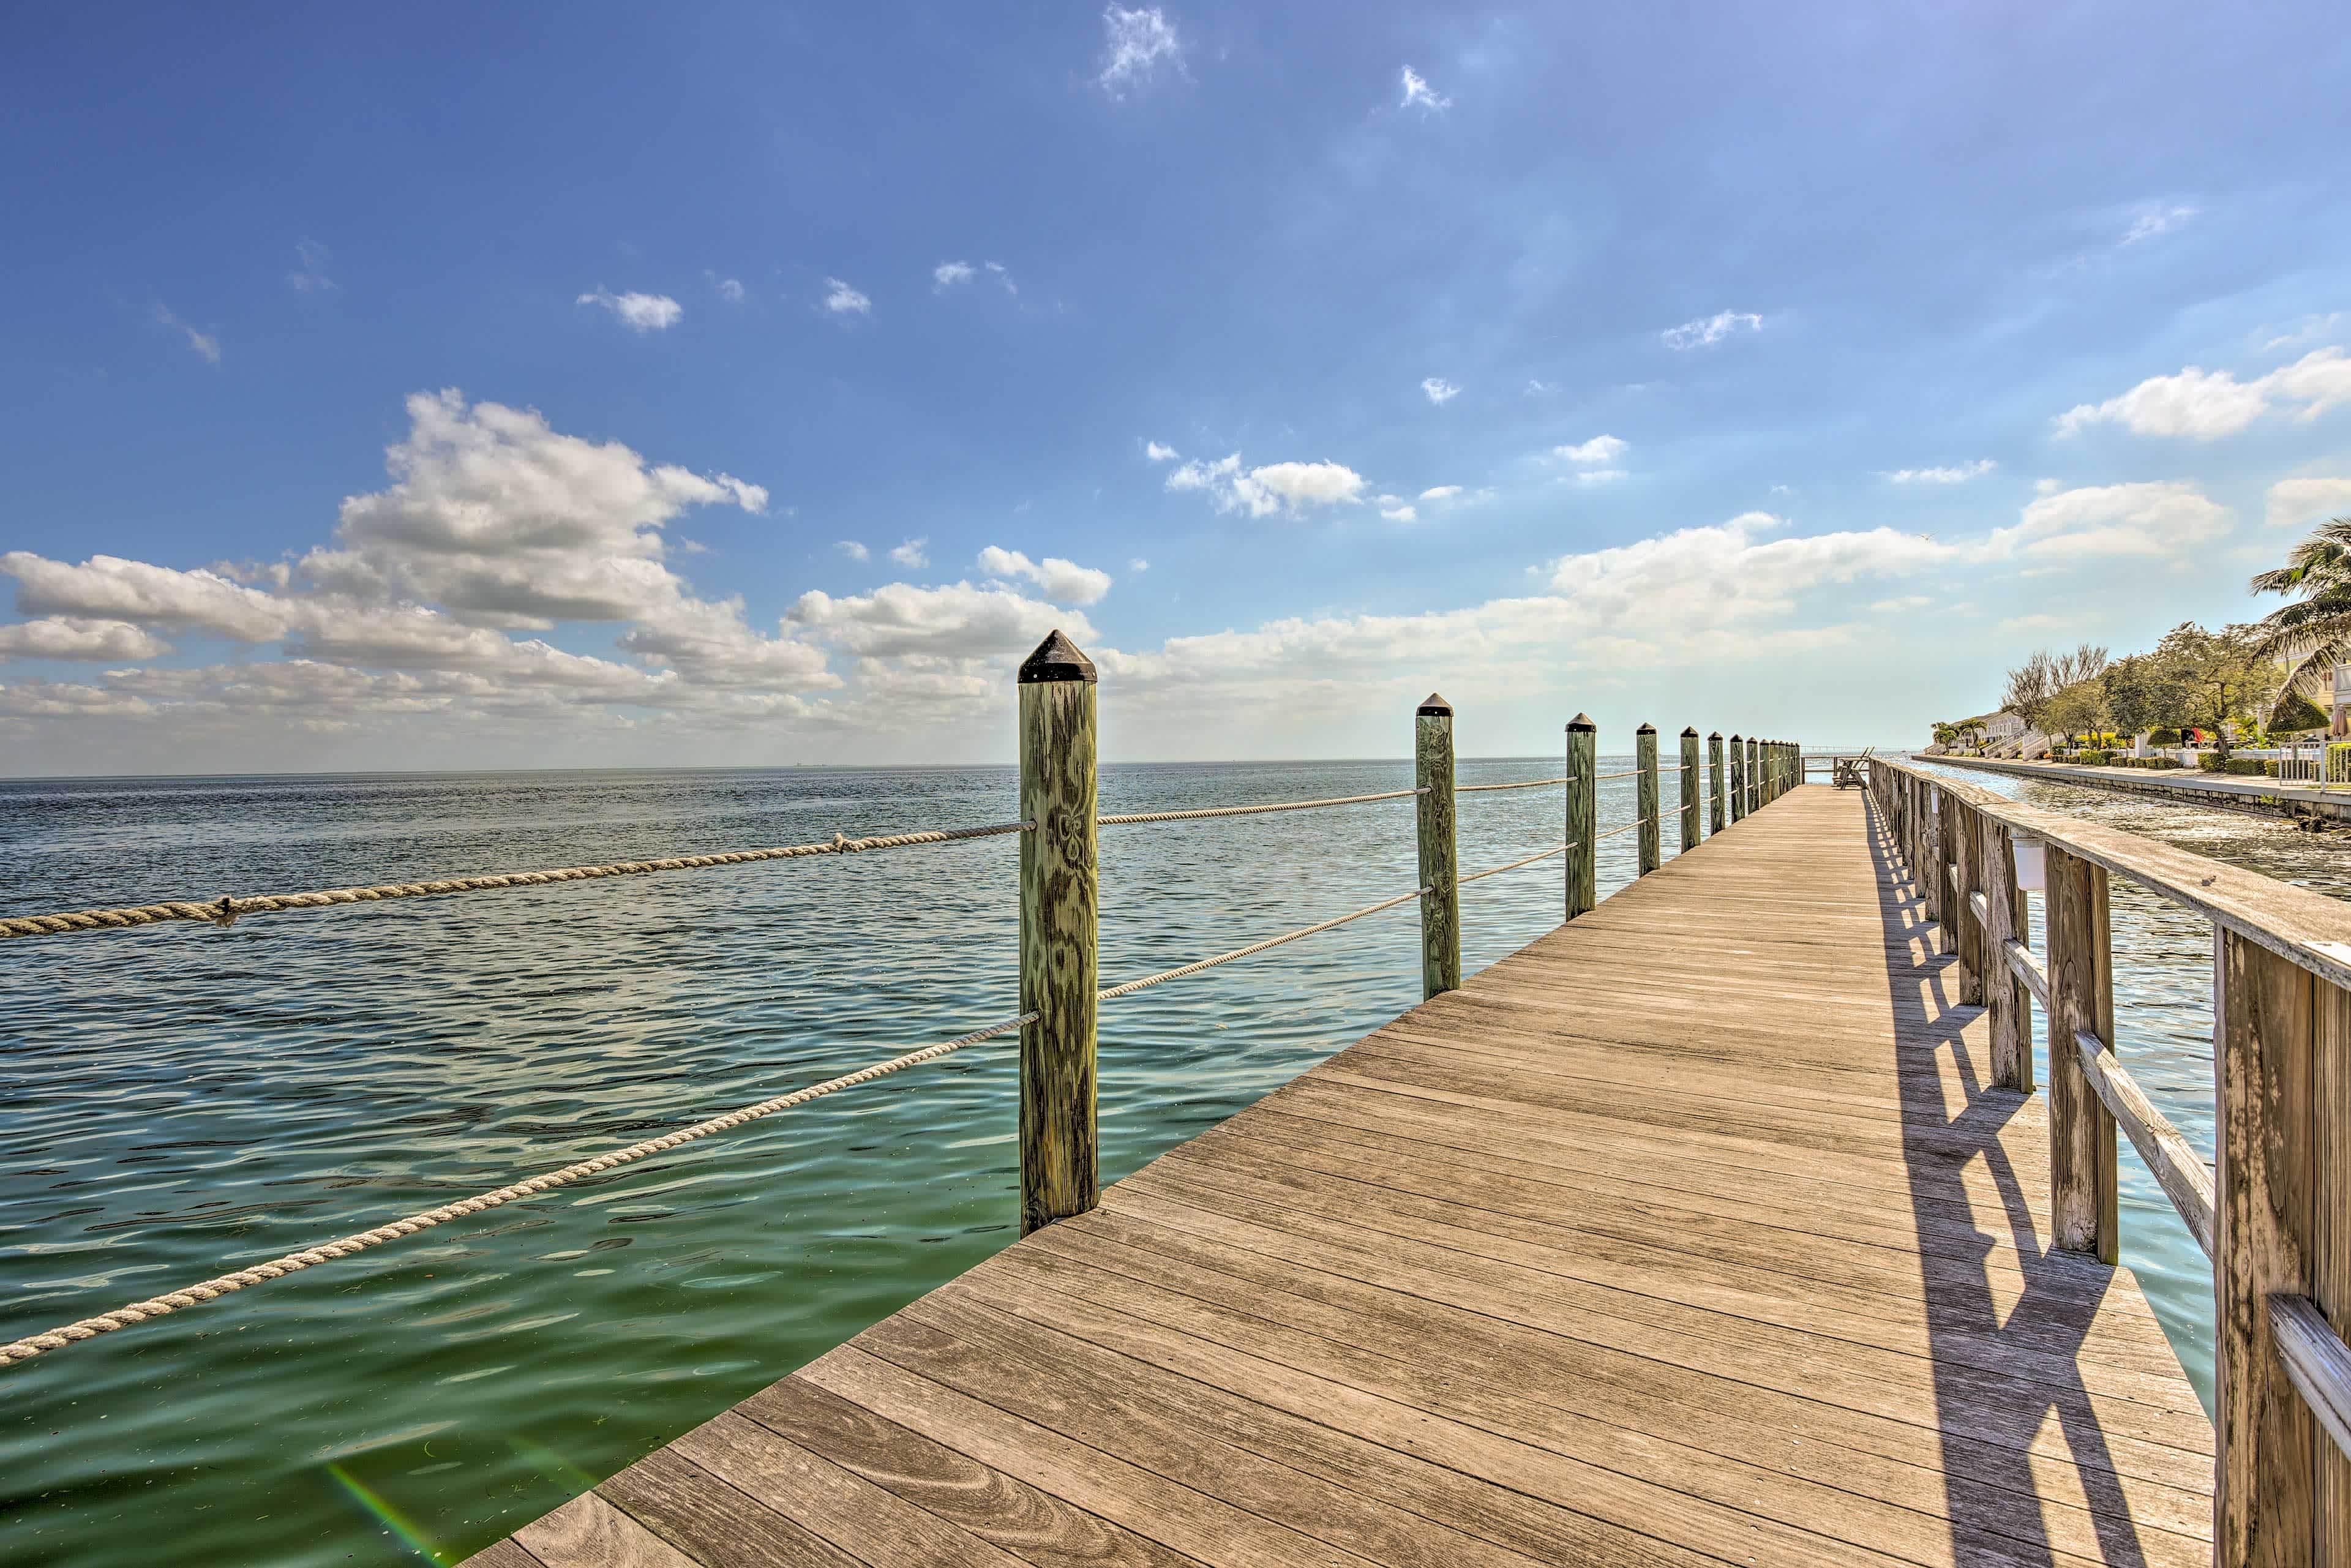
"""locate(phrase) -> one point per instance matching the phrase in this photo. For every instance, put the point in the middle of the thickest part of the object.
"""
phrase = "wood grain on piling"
(1696, 1232)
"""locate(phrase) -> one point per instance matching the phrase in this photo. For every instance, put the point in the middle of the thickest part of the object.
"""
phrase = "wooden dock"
(1690, 1234)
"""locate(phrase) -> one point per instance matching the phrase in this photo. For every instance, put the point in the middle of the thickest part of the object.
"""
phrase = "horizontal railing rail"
(1059, 995)
(2273, 1217)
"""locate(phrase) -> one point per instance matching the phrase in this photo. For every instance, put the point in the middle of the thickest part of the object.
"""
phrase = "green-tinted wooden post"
(1582, 816)
(1754, 774)
(1737, 778)
(1440, 905)
(1715, 800)
(1645, 797)
(1689, 787)
(1059, 1169)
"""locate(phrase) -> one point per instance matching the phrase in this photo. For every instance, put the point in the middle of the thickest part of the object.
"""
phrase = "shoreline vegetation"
(2240, 700)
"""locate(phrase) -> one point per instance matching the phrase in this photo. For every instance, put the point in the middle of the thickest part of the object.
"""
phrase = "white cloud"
(73, 638)
(1416, 91)
(1599, 449)
(1157, 453)
(2164, 519)
(1957, 474)
(1601, 475)
(960, 620)
(638, 312)
(206, 346)
(853, 549)
(996, 269)
(1396, 509)
(1276, 488)
(2157, 221)
(1135, 44)
(912, 553)
(730, 289)
(947, 273)
(842, 300)
(1440, 493)
(2208, 405)
(311, 276)
(1138, 566)
(1439, 390)
(1904, 603)
(1062, 582)
(2295, 503)
(1537, 388)
(1706, 331)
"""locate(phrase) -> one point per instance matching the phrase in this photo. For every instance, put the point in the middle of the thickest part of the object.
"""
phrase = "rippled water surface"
(181, 1099)
(2163, 1011)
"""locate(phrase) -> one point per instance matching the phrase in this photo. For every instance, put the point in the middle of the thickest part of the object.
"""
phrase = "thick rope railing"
(222, 911)
(1526, 784)
(1131, 987)
(1628, 773)
(1499, 870)
(1127, 819)
(1628, 828)
(294, 1262)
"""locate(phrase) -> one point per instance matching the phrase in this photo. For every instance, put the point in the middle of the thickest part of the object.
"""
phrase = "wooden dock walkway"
(1690, 1234)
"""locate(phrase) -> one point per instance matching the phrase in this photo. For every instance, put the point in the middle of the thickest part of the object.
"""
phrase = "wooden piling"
(1059, 1168)
(2282, 1060)
(1645, 798)
(1717, 801)
(2008, 1000)
(1689, 787)
(1967, 837)
(1582, 816)
(1441, 904)
(1754, 774)
(1737, 778)
(2081, 1185)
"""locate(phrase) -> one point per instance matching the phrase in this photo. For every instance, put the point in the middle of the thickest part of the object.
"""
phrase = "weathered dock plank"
(1694, 1233)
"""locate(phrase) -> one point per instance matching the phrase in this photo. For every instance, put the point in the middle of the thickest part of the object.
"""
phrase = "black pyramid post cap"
(1056, 659)
(1582, 724)
(1734, 737)
(1435, 707)
(1646, 729)
(1689, 732)
(1714, 734)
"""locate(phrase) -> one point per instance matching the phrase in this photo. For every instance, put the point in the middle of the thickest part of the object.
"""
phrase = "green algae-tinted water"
(178, 1100)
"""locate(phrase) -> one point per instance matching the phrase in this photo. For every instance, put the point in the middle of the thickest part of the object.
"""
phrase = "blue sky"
(452, 387)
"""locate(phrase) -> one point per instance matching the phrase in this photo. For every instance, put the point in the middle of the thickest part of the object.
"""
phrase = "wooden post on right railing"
(1645, 799)
(1754, 774)
(1737, 778)
(1967, 838)
(1689, 787)
(1440, 906)
(2282, 1058)
(1582, 834)
(2007, 998)
(1716, 800)
(2082, 1185)
(1060, 1166)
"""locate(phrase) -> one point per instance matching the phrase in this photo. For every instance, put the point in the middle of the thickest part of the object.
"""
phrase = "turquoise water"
(179, 1100)
(2163, 1012)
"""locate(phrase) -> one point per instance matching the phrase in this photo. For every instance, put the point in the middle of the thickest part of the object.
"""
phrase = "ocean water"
(2163, 1012)
(179, 1100)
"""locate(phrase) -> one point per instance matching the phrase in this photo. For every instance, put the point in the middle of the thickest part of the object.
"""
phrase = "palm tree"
(2314, 633)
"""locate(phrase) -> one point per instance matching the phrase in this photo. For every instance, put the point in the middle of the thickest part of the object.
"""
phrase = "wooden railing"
(2275, 1219)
